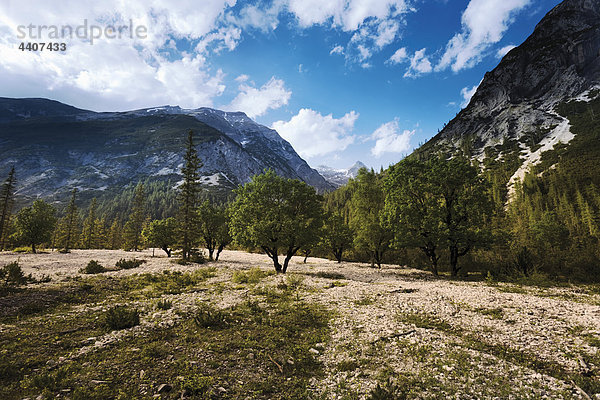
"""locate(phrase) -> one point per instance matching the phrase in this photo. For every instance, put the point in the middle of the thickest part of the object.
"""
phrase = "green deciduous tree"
(7, 194)
(187, 216)
(440, 202)
(35, 224)
(132, 232)
(214, 228)
(277, 215)
(367, 204)
(337, 236)
(412, 209)
(162, 233)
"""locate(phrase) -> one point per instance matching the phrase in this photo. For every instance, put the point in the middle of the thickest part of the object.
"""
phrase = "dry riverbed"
(357, 332)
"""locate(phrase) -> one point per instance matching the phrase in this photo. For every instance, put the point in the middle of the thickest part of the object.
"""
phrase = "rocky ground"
(393, 331)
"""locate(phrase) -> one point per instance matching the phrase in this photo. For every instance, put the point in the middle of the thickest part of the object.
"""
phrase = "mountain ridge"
(57, 147)
(513, 113)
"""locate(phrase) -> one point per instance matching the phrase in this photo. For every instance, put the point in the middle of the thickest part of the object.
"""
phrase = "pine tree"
(115, 235)
(67, 229)
(6, 204)
(89, 227)
(132, 232)
(188, 199)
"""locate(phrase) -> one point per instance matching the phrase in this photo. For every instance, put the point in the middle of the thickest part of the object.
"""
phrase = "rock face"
(339, 177)
(56, 147)
(559, 61)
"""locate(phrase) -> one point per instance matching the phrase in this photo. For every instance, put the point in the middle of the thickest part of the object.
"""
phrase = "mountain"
(339, 177)
(523, 111)
(56, 147)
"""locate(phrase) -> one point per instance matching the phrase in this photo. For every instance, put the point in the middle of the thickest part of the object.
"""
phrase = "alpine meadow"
(193, 252)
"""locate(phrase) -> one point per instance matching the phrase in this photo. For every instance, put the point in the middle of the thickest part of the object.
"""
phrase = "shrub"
(252, 276)
(120, 317)
(197, 385)
(12, 274)
(208, 316)
(93, 267)
(164, 304)
(329, 275)
(129, 264)
(22, 249)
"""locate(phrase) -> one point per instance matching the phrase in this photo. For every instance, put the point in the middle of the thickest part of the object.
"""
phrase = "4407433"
(50, 46)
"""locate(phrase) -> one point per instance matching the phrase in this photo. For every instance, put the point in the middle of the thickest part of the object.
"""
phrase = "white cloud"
(313, 134)
(255, 102)
(419, 65)
(375, 23)
(483, 24)
(467, 93)
(399, 56)
(242, 78)
(504, 50)
(337, 50)
(116, 74)
(389, 139)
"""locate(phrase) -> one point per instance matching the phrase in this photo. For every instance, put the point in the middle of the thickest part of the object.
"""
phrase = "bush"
(129, 264)
(252, 276)
(22, 249)
(93, 267)
(120, 317)
(164, 304)
(12, 274)
(208, 316)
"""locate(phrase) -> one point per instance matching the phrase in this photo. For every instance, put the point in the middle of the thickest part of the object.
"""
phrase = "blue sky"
(342, 80)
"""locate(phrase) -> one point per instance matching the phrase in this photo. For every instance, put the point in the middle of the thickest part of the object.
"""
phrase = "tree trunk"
(290, 253)
(273, 254)
(167, 250)
(306, 254)
(338, 255)
(33, 248)
(454, 261)
(219, 250)
(378, 258)
(210, 253)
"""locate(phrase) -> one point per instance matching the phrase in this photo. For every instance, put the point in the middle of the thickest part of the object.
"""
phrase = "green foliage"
(187, 216)
(207, 316)
(252, 276)
(161, 233)
(121, 317)
(438, 203)
(7, 194)
(337, 235)
(67, 229)
(12, 274)
(93, 267)
(164, 304)
(129, 263)
(214, 228)
(35, 224)
(389, 390)
(366, 213)
(132, 232)
(276, 214)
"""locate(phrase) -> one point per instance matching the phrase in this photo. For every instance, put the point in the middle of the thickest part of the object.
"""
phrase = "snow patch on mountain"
(561, 134)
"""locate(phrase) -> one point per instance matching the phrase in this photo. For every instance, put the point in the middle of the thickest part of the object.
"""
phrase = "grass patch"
(120, 317)
(587, 383)
(252, 276)
(252, 350)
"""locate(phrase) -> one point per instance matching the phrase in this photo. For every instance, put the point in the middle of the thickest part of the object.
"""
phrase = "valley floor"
(232, 329)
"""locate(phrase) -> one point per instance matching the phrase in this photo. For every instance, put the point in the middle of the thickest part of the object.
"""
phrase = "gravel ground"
(374, 331)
